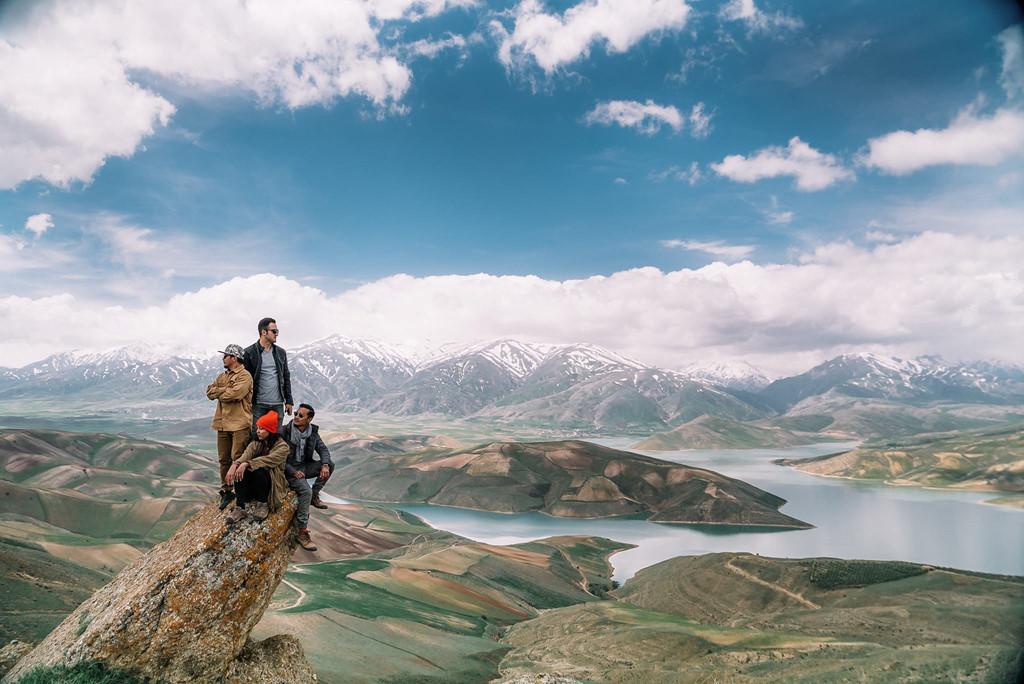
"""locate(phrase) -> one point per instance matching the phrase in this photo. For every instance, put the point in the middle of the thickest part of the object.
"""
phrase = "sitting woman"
(258, 473)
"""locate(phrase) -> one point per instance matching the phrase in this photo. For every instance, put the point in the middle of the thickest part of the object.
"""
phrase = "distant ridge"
(571, 386)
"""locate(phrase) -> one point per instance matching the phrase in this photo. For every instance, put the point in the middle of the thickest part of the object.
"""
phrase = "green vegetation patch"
(328, 585)
(833, 573)
(82, 673)
(39, 590)
(812, 422)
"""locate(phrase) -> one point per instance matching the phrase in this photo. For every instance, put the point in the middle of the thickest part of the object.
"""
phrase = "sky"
(775, 181)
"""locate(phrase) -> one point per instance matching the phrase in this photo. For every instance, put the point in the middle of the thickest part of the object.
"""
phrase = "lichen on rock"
(183, 611)
(279, 659)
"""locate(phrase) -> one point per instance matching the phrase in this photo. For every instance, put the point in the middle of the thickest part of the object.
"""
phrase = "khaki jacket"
(258, 456)
(233, 392)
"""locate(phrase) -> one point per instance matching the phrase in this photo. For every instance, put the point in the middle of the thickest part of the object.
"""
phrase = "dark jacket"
(313, 444)
(253, 360)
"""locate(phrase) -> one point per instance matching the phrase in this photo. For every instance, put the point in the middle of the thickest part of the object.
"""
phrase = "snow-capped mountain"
(925, 378)
(516, 358)
(339, 371)
(575, 385)
(732, 374)
(142, 370)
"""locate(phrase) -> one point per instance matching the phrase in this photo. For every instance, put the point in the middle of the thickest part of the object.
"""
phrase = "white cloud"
(432, 48)
(76, 77)
(700, 121)
(956, 295)
(969, 139)
(620, 181)
(690, 174)
(775, 215)
(645, 117)
(20, 256)
(813, 170)
(1011, 77)
(37, 224)
(757, 20)
(552, 41)
(880, 236)
(716, 248)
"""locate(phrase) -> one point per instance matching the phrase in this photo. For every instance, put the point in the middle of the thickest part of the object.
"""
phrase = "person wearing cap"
(233, 418)
(258, 474)
(271, 380)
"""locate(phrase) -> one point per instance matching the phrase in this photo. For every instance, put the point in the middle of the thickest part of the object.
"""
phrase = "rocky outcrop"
(11, 654)
(183, 611)
(279, 659)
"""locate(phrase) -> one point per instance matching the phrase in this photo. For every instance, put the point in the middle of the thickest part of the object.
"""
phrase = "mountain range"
(579, 386)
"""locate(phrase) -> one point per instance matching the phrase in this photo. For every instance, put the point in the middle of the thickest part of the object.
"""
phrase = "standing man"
(271, 381)
(233, 418)
(308, 457)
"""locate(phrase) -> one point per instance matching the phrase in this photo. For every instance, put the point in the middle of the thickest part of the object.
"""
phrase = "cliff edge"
(183, 611)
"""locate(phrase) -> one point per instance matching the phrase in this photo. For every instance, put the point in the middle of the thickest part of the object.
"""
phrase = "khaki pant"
(230, 445)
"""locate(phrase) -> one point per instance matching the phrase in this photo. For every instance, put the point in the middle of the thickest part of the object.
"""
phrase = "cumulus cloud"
(99, 98)
(969, 139)
(757, 20)
(957, 295)
(1011, 77)
(552, 40)
(646, 117)
(813, 170)
(37, 224)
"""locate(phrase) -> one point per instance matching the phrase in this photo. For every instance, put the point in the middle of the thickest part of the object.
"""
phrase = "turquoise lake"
(852, 520)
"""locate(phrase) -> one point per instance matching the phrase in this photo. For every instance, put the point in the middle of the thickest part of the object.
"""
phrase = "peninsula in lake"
(709, 432)
(982, 460)
(572, 479)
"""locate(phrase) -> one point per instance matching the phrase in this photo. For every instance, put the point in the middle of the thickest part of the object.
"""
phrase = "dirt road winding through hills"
(774, 587)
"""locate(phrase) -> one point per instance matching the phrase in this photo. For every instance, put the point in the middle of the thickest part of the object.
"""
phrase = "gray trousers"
(300, 485)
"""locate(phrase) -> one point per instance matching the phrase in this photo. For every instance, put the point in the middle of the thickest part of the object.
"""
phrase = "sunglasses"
(273, 330)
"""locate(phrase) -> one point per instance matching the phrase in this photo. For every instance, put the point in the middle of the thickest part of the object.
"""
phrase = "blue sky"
(509, 168)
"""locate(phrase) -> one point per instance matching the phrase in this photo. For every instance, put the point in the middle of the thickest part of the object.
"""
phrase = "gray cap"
(233, 350)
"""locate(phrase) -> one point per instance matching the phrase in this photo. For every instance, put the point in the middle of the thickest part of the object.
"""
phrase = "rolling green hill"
(432, 610)
(743, 618)
(567, 478)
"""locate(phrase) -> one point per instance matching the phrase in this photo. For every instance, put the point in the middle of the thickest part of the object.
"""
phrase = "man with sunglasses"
(233, 391)
(308, 457)
(271, 381)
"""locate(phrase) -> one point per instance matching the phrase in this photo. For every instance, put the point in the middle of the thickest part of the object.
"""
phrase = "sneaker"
(304, 540)
(236, 514)
(317, 503)
(226, 497)
(260, 511)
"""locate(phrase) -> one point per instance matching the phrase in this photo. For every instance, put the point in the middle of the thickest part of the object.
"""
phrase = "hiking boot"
(304, 540)
(226, 497)
(236, 514)
(260, 511)
(316, 502)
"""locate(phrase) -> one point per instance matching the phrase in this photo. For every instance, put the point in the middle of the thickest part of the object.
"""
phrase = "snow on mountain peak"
(517, 358)
(739, 374)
